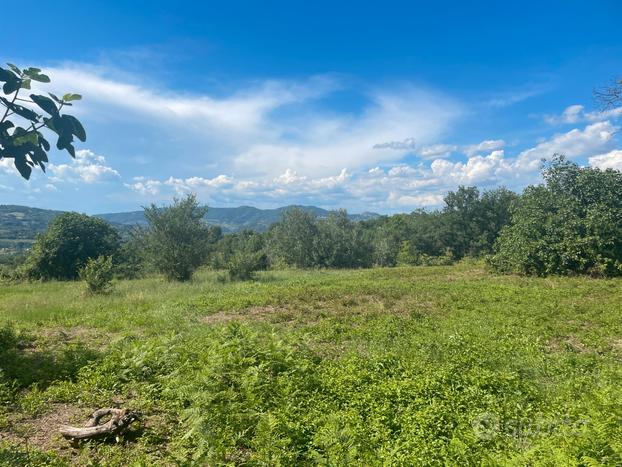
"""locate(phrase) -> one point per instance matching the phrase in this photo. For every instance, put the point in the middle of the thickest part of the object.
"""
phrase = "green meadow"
(447, 365)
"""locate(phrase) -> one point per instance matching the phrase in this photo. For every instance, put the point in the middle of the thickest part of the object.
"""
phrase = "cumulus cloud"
(87, 167)
(400, 186)
(593, 139)
(611, 160)
(484, 146)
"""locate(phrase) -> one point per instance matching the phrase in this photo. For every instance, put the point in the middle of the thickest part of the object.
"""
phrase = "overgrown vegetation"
(98, 274)
(570, 225)
(70, 241)
(411, 366)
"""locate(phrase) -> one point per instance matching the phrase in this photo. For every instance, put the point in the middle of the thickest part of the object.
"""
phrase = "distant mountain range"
(20, 224)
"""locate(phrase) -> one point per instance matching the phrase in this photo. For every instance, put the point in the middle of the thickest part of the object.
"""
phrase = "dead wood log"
(120, 420)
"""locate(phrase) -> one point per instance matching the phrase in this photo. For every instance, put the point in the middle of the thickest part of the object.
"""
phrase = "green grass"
(403, 366)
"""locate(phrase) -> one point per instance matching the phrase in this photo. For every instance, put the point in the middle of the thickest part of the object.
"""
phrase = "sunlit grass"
(379, 366)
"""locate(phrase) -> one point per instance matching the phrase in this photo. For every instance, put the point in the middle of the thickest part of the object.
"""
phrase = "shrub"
(243, 264)
(69, 242)
(98, 274)
(177, 240)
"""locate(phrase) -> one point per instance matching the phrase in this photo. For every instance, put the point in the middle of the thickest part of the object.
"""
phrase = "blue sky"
(381, 106)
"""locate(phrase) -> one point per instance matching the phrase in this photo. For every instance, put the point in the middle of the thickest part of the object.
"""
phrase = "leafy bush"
(570, 225)
(410, 256)
(177, 240)
(98, 274)
(68, 243)
(243, 264)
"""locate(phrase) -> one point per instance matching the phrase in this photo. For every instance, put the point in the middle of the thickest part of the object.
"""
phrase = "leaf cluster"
(21, 138)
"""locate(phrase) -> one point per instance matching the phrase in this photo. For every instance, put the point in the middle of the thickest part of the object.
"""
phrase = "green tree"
(292, 239)
(22, 120)
(68, 243)
(341, 243)
(177, 240)
(472, 220)
(572, 224)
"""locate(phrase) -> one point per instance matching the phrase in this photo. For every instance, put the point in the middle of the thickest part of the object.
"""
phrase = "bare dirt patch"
(42, 431)
(567, 343)
(255, 313)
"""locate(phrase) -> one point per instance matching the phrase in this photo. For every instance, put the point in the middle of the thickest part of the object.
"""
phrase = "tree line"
(569, 224)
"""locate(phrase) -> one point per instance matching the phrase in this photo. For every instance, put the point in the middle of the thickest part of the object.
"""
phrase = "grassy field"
(403, 366)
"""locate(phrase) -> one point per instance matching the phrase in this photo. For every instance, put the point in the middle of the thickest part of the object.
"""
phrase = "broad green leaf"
(7, 75)
(11, 86)
(44, 142)
(45, 103)
(41, 78)
(20, 110)
(14, 68)
(23, 168)
(71, 97)
(25, 84)
(76, 127)
(27, 138)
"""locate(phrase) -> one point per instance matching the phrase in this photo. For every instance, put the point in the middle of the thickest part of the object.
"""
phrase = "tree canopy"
(69, 242)
(177, 241)
(572, 224)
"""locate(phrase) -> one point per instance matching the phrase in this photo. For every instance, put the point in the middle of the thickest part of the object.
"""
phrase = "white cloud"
(145, 187)
(593, 139)
(437, 150)
(577, 114)
(87, 167)
(611, 160)
(330, 143)
(484, 146)
(401, 186)
(273, 142)
(240, 111)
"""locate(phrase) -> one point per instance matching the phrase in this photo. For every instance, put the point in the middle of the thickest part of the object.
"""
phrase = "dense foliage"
(467, 226)
(70, 241)
(177, 241)
(26, 144)
(98, 274)
(570, 225)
